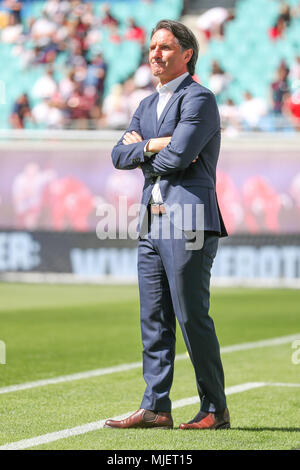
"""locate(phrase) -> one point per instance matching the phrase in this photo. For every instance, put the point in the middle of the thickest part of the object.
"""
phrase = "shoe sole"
(139, 427)
(221, 426)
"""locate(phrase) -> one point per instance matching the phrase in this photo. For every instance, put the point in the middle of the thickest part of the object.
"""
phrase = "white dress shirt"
(165, 92)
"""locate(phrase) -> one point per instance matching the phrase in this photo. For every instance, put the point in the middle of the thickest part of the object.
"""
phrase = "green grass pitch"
(53, 330)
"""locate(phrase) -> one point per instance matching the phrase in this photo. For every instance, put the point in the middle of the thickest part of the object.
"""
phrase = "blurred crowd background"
(73, 64)
(72, 74)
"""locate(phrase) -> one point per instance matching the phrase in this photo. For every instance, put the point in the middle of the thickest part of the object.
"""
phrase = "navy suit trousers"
(174, 283)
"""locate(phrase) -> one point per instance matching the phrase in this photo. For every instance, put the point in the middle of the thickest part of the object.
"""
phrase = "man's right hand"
(157, 144)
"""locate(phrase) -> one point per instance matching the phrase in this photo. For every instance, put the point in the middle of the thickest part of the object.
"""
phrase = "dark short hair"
(184, 36)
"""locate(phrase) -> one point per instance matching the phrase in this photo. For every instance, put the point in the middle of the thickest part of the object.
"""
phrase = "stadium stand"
(33, 41)
(247, 62)
(251, 57)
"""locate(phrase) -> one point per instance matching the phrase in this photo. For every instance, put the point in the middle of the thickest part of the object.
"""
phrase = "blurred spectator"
(21, 111)
(230, 117)
(143, 77)
(67, 85)
(251, 111)
(284, 68)
(12, 32)
(76, 54)
(69, 37)
(80, 104)
(108, 19)
(81, 10)
(115, 109)
(120, 104)
(4, 18)
(60, 36)
(279, 89)
(135, 32)
(80, 30)
(142, 85)
(14, 8)
(45, 86)
(285, 14)
(94, 36)
(96, 73)
(68, 33)
(42, 30)
(277, 31)
(211, 22)
(114, 34)
(54, 7)
(35, 56)
(47, 114)
(27, 57)
(219, 80)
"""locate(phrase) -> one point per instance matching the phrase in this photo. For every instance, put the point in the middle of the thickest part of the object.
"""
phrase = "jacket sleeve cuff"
(147, 154)
(139, 155)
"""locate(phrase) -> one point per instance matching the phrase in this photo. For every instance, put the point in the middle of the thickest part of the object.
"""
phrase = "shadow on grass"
(266, 429)
(291, 429)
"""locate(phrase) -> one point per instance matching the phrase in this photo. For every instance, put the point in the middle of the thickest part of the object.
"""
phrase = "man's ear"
(188, 55)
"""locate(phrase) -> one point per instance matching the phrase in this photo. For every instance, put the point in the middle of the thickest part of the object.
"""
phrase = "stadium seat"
(246, 51)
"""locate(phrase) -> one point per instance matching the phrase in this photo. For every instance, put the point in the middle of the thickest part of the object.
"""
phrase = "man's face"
(166, 59)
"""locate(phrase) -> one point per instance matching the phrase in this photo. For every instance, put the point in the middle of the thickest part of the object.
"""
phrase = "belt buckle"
(158, 209)
(155, 209)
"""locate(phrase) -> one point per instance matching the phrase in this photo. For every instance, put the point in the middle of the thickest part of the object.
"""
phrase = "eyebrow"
(161, 45)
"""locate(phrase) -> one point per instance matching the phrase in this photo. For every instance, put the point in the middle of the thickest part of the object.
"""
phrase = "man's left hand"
(131, 138)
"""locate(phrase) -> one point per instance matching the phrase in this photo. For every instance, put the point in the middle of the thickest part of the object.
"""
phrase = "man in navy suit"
(174, 138)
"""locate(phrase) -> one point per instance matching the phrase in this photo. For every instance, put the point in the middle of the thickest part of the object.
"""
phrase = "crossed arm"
(198, 123)
(154, 145)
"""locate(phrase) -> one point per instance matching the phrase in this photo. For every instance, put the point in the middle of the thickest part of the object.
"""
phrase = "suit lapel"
(186, 82)
(153, 113)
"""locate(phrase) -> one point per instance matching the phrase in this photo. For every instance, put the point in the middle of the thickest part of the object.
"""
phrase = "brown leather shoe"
(204, 420)
(143, 419)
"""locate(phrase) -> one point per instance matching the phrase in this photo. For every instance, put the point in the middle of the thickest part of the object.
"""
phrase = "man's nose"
(156, 52)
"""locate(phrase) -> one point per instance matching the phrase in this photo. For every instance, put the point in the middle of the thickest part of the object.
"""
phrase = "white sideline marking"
(283, 384)
(70, 377)
(135, 365)
(94, 426)
(84, 428)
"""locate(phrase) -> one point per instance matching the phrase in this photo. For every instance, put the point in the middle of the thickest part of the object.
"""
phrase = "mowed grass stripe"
(58, 339)
(96, 425)
(134, 365)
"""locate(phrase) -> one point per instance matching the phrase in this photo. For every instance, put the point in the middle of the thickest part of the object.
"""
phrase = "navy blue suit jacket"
(191, 117)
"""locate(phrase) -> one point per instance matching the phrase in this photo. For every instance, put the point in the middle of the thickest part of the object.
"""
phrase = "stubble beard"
(157, 68)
